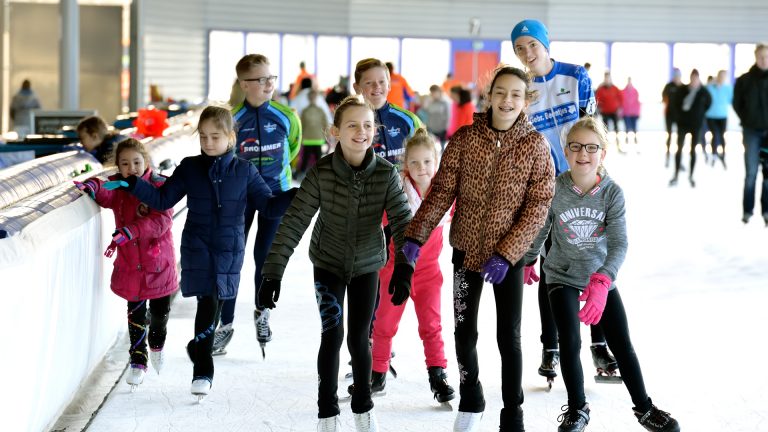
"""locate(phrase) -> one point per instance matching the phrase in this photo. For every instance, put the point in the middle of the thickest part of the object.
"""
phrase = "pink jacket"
(145, 267)
(630, 102)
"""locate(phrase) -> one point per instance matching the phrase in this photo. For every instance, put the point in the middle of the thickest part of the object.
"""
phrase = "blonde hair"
(367, 64)
(130, 144)
(593, 125)
(348, 102)
(221, 119)
(420, 138)
(248, 62)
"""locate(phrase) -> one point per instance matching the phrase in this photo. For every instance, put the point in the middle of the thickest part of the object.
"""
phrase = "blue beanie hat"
(532, 28)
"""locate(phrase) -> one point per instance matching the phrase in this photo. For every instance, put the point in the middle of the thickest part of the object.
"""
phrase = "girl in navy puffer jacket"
(217, 185)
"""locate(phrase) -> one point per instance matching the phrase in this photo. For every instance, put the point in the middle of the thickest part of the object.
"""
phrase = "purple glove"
(87, 187)
(495, 269)
(121, 236)
(529, 274)
(595, 296)
(411, 250)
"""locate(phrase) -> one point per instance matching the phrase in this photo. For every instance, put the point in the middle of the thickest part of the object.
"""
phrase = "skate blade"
(443, 406)
(263, 353)
(550, 382)
(134, 387)
(219, 353)
(607, 379)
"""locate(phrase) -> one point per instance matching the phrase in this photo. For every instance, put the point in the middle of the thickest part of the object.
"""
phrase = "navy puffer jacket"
(213, 241)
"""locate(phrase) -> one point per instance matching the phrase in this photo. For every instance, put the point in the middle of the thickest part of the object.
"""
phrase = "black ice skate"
(378, 384)
(392, 369)
(221, 339)
(438, 383)
(607, 368)
(573, 419)
(549, 360)
(263, 332)
(656, 420)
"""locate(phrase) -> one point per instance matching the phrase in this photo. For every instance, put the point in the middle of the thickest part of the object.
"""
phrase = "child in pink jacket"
(419, 167)
(145, 266)
(630, 109)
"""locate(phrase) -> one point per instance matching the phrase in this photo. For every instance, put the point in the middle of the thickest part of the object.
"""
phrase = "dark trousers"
(265, 234)
(200, 347)
(695, 140)
(717, 127)
(669, 122)
(330, 290)
(310, 153)
(611, 119)
(138, 334)
(467, 288)
(755, 158)
(565, 305)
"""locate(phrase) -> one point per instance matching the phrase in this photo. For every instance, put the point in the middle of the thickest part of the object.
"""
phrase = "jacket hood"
(565, 181)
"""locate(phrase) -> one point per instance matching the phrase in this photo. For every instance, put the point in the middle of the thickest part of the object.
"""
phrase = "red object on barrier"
(151, 122)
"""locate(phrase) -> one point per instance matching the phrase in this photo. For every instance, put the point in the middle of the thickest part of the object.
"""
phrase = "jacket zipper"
(258, 134)
(489, 192)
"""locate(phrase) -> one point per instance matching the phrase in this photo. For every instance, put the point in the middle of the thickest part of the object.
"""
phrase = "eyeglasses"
(262, 80)
(576, 147)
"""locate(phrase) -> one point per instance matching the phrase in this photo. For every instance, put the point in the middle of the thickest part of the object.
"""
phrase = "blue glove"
(495, 269)
(115, 184)
(411, 250)
(122, 235)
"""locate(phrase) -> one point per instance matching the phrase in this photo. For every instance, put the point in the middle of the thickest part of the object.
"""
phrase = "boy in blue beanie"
(565, 95)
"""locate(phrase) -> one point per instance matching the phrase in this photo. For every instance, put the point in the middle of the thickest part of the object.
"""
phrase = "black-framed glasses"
(576, 147)
(262, 80)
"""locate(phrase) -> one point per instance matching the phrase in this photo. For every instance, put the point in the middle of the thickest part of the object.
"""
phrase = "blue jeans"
(754, 139)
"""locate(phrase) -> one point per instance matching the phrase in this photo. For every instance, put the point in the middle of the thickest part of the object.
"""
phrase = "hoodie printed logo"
(393, 131)
(583, 226)
(270, 127)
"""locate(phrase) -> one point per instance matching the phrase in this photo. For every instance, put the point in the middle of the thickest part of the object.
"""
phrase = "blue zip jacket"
(395, 126)
(270, 137)
(213, 240)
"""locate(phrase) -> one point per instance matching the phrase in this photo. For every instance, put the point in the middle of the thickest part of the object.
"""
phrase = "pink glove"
(595, 296)
(529, 274)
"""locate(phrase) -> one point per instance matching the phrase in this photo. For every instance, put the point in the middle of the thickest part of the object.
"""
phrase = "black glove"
(269, 292)
(400, 284)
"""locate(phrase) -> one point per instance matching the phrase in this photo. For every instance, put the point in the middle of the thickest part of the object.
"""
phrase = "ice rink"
(695, 286)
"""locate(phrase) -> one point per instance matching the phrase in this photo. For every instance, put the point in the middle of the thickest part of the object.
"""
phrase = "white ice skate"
(200, 387)
(221, 338)
(157, 359)
(366, 422)
(467, 422)
(329, 424)
(135, 376)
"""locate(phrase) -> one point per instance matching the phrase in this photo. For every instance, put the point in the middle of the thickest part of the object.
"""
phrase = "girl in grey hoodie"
(589, 243)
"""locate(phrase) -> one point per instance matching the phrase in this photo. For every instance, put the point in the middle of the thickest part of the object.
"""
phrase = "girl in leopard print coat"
(501, 175)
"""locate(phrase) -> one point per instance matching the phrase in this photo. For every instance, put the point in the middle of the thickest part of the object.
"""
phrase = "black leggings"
(695, 140)
(330, 290)
(467, 288)
(717, 127)
(200, 347)
(565, 305)
(138, 334)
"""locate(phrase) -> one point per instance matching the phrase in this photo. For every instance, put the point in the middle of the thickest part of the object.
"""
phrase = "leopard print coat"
(503, 183)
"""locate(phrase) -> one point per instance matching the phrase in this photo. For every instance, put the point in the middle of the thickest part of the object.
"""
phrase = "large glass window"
(224, 50)
(425, 62)
(508, 54)
(707, 58)
(744, 59)
(332, 60)
(646, 63)
(266, 44)
(296, 49)
(384, 49)
(580, 53)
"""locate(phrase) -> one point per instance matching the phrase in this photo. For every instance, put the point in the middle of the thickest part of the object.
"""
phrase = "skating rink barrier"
(60, 314)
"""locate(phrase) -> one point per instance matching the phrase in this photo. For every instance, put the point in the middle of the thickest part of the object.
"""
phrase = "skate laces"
(654, 417)
(572, 416)
(221, 333)
(262, 325)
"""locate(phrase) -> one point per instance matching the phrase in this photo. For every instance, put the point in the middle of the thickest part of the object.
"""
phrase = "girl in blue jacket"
(217, 186)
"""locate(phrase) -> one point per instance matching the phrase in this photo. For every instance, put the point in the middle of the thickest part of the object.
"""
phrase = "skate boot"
(221, 339)
(549, 361)
(607, 368)
(366, 422)
(329, 424)
(135, 376)
(157, 359)
(656, 420)
(201, 386)
(263, 332)
(573, 419)
(467, 422)
(438, 383)
(378, 384)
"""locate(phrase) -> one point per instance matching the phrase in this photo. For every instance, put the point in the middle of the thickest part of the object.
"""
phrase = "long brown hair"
(221, 119)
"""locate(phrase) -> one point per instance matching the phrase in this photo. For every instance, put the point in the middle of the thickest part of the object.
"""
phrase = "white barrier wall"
(61, 316)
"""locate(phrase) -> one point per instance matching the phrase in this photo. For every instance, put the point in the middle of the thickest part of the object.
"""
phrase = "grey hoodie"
(589, 233)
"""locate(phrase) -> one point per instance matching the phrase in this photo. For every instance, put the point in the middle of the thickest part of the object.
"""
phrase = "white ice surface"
(695, 286)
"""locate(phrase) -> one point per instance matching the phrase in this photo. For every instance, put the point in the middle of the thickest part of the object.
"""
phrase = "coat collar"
(342, 168)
